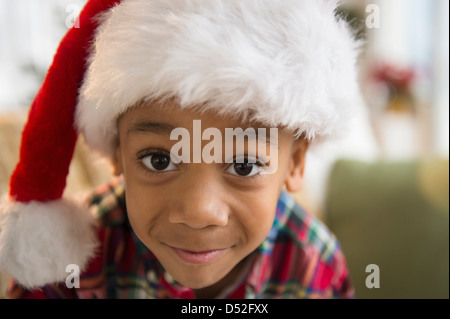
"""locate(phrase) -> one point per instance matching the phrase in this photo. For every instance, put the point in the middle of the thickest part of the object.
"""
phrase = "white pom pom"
(39, 239)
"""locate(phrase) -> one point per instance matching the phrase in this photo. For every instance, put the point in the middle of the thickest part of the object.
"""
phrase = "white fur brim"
(283, 63)
(38, 240)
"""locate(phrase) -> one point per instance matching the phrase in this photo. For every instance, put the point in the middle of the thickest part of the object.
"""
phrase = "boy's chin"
(197, 279)
(199, 283)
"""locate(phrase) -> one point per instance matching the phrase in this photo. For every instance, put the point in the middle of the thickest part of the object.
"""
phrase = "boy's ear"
(116, 163)
(294, 178)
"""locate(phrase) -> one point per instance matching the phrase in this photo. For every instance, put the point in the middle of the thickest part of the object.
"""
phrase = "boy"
(179, 221)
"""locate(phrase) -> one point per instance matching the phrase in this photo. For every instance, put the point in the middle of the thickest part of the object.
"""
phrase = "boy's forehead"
(163, 118)
(169, 116)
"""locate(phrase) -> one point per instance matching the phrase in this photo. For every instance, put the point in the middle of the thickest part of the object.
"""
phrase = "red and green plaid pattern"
(300, 258)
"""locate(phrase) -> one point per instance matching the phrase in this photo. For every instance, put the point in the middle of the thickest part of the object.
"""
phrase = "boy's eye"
(244, 169)
(158, 162)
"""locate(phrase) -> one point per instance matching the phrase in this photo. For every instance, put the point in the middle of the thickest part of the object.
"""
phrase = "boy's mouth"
(198, 257)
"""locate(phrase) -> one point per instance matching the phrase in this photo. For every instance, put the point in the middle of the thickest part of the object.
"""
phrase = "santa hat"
(282, 63)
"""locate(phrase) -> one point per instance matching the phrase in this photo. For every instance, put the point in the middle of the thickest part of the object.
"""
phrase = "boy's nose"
(199, 206)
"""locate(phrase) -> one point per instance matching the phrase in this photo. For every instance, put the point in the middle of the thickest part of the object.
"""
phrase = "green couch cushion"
(394, 215)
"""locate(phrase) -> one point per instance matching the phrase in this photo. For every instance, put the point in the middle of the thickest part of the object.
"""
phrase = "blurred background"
(383, 188)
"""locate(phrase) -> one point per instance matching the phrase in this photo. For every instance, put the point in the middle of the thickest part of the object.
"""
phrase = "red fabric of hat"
(49, 137)
(41, 233)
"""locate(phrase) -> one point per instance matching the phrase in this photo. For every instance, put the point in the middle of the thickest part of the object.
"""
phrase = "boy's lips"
(198, 257)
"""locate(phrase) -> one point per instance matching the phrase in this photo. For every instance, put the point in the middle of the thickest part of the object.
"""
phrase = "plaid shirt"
(300, 258)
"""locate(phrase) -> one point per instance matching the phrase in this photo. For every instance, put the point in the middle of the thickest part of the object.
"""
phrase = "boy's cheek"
(257, 213)
(253, 209)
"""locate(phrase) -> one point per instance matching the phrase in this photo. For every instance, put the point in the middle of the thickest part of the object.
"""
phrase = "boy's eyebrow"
(268, 139)
(145, 126)
(271, 141)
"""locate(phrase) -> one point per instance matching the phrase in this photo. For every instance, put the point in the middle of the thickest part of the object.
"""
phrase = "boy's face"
(200, 220)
